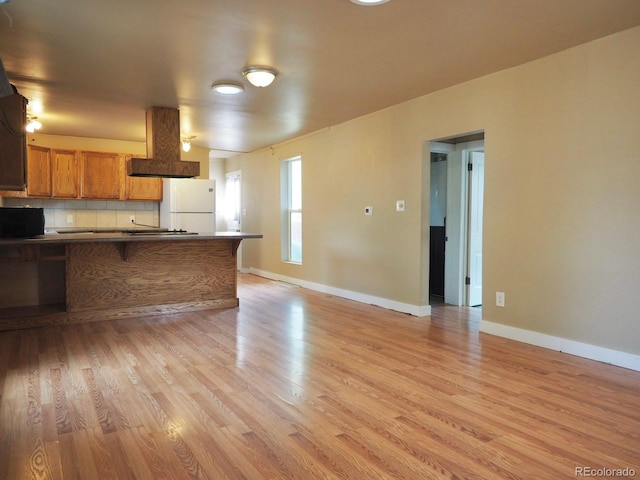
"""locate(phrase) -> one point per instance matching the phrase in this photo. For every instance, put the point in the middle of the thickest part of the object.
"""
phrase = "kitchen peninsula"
(81, 277)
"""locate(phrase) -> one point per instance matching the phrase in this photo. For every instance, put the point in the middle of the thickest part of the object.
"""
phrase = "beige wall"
(561, 221)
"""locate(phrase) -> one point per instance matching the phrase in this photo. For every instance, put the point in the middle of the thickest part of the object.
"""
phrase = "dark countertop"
(111, 236)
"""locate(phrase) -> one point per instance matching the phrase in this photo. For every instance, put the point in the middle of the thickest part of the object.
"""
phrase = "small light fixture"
(186, 143)
(369, 2)
(260, 76)
(32, 124)
(227, 88)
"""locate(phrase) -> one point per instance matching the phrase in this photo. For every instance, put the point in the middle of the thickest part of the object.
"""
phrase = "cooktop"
(159, 232)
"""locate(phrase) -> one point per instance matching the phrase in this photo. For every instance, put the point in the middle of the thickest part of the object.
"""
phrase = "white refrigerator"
(188, 204)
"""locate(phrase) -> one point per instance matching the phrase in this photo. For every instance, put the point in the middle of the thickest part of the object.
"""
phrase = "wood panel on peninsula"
(57, 279)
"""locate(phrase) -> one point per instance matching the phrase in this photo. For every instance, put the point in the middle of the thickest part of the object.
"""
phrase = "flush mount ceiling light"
(260, 76)
(369, 2)
(227, 88)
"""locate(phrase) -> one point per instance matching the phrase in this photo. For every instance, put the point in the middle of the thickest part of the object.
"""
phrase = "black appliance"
(21, 222)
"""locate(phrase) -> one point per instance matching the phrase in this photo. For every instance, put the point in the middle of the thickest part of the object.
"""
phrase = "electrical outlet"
(368, 211)
(132, 218)
(399, 205)
(69, 218)
(499, 299)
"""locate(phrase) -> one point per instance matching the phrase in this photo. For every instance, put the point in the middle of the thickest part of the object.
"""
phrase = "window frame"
(289, 210)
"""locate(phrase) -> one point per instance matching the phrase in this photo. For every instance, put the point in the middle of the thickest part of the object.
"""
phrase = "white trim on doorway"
(455, 292)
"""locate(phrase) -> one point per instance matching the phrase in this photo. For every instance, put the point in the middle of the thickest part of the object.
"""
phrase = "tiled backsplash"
(91, 213)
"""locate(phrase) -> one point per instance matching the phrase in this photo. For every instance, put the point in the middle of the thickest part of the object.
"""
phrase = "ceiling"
(97, 65)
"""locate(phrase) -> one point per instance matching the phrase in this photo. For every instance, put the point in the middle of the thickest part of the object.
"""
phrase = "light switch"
(368, 211)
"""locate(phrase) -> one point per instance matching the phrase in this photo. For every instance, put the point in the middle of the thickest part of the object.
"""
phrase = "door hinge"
(470, 167)
(467, 280)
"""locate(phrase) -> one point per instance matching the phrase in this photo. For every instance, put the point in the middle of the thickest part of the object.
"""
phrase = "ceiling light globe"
(260, 76)
(186, 142)
(227, 88)
(32, 124)
(369, 2)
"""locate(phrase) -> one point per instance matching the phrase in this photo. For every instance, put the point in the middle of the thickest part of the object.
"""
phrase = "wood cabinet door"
(64, 174)
(101, 175)
(141, 188)
(13, 156)
(144, 188)
(38, 171)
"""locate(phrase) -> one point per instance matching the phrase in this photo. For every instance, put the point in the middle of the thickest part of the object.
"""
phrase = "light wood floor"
(300, 385)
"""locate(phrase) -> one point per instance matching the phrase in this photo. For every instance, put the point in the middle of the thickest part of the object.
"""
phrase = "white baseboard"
(585, 350)
(416, 310)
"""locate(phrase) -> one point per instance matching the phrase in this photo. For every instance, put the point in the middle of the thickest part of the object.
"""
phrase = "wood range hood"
(163, 148)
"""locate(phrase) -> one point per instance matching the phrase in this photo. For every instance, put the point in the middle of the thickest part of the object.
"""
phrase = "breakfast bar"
(80, 277)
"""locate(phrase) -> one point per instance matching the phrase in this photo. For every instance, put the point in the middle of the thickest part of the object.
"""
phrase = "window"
(291, 175)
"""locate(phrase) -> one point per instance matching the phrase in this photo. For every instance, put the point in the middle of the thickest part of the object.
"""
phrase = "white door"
(232, 202)
(476, 194)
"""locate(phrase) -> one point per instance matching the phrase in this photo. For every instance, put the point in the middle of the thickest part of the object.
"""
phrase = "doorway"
(456, 206)
(232, 201)
(437, 226)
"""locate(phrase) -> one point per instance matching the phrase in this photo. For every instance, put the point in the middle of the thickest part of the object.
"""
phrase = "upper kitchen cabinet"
(52, 173)
(64, 174)
(143, 188)
(39, 171)
(101, 175)
(13, 142)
